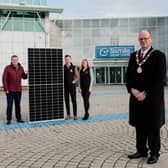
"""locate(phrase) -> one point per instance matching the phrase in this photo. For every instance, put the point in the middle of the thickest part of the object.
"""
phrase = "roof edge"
(30, 8)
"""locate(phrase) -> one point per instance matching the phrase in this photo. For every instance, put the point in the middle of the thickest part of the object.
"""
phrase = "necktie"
(141, 56)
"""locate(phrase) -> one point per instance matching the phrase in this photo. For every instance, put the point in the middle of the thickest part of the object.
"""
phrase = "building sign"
(114, 51)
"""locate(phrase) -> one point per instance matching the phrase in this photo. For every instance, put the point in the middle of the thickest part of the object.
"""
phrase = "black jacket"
(151, 112)
(69, 75)
(85, 79)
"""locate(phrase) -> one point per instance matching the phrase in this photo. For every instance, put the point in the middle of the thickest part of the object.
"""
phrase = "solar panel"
(45, 84)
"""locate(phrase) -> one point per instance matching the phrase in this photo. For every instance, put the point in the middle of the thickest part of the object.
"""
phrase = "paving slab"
(104, 141)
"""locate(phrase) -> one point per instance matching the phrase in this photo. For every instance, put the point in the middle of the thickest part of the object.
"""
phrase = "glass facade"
(21, 21)
(20, 30)
(26, 2)
(81, 36)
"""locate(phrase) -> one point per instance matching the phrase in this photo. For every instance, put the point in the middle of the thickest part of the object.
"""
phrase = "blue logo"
(114, 51)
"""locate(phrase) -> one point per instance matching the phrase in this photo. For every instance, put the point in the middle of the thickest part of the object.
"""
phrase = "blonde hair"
(85, 60)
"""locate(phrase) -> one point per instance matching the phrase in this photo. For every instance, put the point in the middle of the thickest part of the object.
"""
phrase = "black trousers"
(72, 92)
(150, 136)
(86, 95)
(16, 97)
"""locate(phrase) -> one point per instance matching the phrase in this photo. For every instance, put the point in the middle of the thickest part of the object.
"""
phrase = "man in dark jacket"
(145, 79)
(12, 76)
(71, 77)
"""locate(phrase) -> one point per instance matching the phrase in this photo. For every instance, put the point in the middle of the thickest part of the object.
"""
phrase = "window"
(87, 23)
(18, 25)
(43, 2)
(29, 2)
(36, 2)
(22, 21)
(16, 1)
(29, 26)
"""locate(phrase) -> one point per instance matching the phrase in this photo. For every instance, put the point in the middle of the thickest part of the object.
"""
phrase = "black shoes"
(20, 121)
(86, 116)
(137, 155)
(8, 122)
(152, 159)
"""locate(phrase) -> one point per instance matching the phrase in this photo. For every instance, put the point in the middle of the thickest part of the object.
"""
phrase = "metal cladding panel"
(45, 84)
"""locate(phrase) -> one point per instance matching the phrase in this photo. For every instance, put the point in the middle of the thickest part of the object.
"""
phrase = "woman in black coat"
(86, 82)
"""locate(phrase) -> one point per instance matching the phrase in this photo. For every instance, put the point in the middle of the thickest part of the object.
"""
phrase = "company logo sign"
(114, 51)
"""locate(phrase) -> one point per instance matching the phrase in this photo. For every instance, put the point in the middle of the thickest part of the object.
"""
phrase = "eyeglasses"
(146, 38)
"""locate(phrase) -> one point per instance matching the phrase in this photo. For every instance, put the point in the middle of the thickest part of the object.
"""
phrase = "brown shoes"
(75, 117)
(68, 117)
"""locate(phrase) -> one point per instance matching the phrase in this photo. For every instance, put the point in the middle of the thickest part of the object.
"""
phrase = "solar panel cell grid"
(45, 84)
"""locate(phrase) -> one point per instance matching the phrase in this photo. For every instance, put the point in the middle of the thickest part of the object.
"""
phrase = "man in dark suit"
(145, 79)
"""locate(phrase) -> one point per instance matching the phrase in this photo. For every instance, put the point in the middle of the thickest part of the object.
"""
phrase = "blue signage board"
(114, 51)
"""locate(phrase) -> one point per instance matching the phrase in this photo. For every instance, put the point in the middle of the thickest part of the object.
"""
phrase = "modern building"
(81, 38)
(105, 42)
(23, 24)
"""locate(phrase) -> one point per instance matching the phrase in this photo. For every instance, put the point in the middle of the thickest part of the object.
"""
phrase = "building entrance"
(109, 75)
(115, 75)
(100, 75)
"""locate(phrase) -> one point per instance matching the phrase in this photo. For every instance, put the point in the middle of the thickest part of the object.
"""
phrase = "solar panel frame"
(45, 69)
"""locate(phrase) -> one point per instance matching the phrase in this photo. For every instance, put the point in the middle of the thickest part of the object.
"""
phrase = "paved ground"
(104, 141)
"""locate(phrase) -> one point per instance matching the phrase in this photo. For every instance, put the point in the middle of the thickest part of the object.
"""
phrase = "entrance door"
(115, 75)
(124, 74)
(100, 75)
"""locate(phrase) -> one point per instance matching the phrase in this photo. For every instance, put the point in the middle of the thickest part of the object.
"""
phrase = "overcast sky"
(110, 8)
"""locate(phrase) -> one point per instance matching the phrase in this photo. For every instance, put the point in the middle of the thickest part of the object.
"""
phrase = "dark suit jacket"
(151, 112)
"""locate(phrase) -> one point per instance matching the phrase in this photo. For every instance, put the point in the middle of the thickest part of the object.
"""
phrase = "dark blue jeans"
(16, 97)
